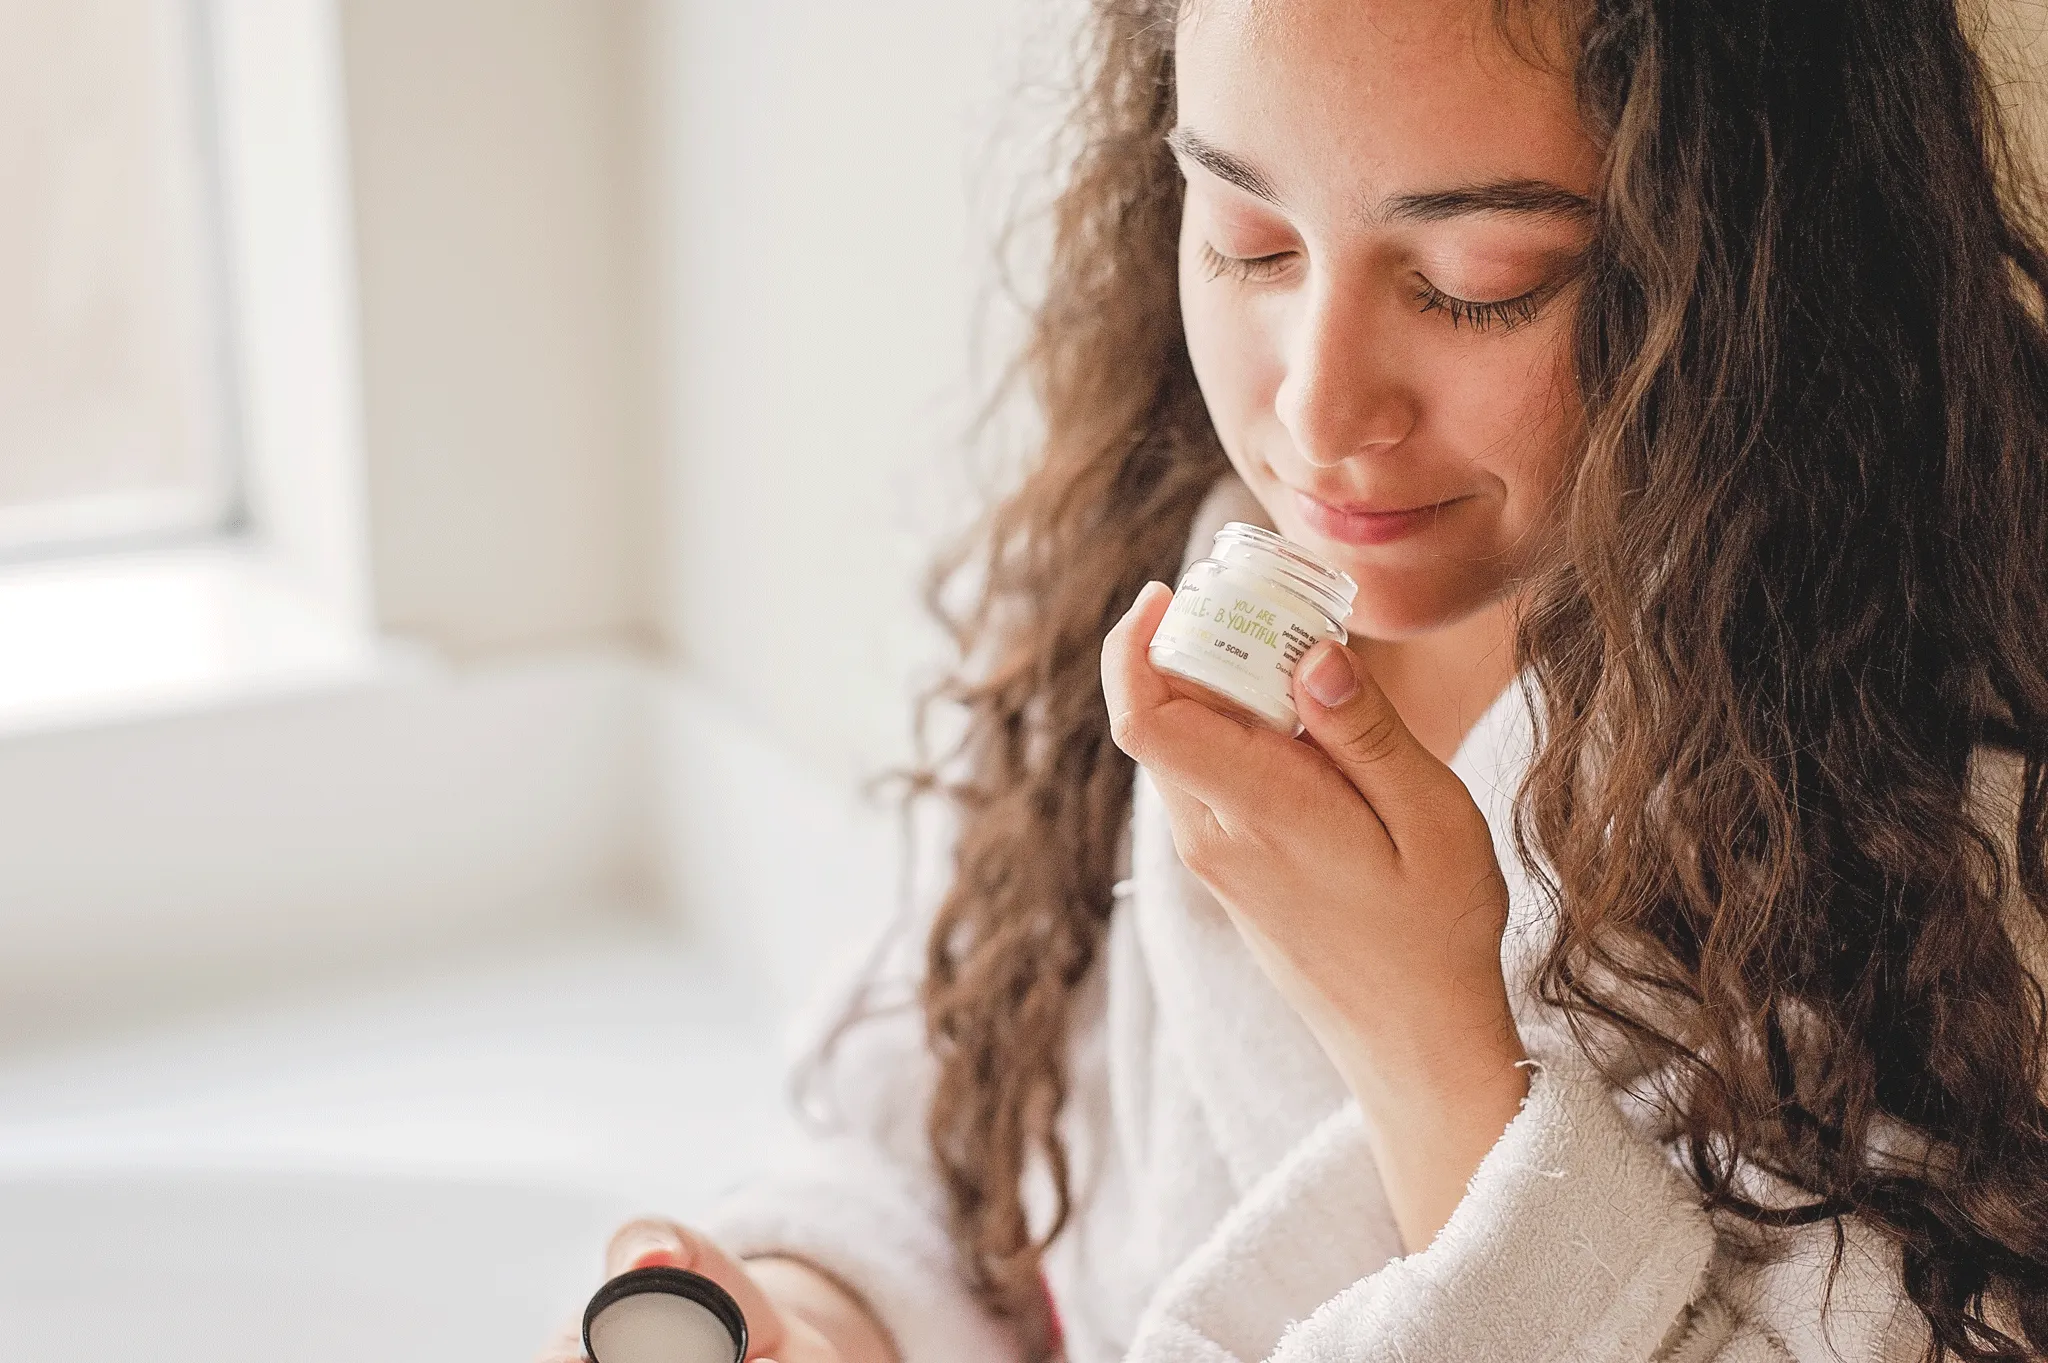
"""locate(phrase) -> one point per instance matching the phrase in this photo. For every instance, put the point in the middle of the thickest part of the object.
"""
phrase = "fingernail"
(1330, 678)
(659, 1258)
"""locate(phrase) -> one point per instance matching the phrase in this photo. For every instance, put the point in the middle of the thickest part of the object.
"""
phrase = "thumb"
(1355, 725)
(652, 1242)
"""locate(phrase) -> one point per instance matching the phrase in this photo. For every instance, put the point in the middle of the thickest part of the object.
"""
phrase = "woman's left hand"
(1363, 879)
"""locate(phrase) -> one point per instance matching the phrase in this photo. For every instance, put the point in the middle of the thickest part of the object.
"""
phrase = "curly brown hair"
(1799, 576)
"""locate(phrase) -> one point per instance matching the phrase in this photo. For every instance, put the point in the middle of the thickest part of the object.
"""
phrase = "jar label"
(1241, 625)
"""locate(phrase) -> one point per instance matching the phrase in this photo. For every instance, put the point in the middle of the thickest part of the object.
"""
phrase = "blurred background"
(466, 472)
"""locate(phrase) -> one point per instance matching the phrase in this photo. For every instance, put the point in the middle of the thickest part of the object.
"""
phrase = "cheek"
(1234, 351)
(1513, 418)
(1518, 419)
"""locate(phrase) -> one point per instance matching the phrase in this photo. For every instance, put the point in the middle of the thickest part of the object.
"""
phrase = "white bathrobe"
(1227, 1209)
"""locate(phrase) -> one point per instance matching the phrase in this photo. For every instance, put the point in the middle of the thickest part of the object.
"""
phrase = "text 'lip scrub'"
(1244, 616)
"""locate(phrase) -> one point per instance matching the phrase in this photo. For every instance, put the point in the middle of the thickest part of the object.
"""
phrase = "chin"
(1372, 620)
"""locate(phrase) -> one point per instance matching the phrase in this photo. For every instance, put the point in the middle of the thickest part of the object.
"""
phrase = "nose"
(1344, 393)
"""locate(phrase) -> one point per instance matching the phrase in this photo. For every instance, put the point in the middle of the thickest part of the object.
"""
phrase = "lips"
(1365, 524)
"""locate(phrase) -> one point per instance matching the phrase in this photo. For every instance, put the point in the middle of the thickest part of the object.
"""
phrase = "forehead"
(1376, 97)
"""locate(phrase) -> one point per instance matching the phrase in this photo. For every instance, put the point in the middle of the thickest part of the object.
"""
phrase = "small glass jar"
(1244, 616)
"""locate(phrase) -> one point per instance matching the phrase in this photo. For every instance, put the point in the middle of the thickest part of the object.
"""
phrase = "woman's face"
(1384, 207)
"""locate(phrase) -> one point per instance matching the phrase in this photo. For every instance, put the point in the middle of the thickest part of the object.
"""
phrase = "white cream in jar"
(1244, 616)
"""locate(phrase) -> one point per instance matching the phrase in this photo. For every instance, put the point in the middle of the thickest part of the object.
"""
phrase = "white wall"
(820, 257)
(205, 852)
(666, 317)
(828, 200)
(666, 323)
(496, 175)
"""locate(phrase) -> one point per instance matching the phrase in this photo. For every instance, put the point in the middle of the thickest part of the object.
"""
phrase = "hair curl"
(1801, 576)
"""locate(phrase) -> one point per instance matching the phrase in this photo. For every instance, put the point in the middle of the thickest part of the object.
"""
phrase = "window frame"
(281, 592)
(93, 524)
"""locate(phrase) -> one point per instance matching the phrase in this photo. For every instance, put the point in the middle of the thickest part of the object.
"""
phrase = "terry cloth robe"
(1227, 1208)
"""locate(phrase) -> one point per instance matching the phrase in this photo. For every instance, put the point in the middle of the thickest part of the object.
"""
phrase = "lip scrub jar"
(1244, 616)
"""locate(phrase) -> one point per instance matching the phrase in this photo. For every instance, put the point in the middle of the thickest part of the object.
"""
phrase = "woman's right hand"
(774, 1334)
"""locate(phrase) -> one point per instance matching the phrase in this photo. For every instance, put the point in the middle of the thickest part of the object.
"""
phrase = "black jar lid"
(666, 1282)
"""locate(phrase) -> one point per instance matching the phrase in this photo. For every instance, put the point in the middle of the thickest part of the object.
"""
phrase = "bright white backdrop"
(649, 334)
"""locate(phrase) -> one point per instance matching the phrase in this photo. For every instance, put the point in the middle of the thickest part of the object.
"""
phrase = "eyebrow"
(1538, 198)
(1220, 163)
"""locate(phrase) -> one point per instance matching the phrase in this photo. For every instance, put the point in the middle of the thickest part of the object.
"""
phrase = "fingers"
(1125, 687)
(651, 1241)
(1351, 720)
(1181, 741)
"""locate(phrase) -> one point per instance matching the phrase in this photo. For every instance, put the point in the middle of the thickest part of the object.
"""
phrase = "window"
(115, 410)
(181, 502)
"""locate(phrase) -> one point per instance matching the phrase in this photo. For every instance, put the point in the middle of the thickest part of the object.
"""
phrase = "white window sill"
(105, 640)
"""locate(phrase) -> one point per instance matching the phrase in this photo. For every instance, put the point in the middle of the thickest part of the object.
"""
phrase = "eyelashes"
(1246, 269)
(1505, 313)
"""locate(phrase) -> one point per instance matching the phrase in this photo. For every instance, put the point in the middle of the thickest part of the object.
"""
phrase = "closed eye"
(1505, 313)
(1250, 269)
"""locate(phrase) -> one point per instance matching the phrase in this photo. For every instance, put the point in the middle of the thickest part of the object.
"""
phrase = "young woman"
(1636, 958)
